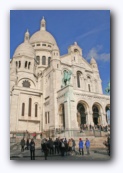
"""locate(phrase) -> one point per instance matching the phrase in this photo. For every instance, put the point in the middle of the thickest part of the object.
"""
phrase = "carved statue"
(67, 77)
(108, 88)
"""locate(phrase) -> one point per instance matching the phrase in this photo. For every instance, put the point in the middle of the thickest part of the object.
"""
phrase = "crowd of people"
(58, 146)
(94, 127)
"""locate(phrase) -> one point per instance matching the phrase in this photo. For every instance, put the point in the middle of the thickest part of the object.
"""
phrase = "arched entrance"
(81, 115)
(107, 109)
(61, 116)
(96, 116)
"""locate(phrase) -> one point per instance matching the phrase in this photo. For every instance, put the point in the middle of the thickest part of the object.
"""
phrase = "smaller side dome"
(25, 48)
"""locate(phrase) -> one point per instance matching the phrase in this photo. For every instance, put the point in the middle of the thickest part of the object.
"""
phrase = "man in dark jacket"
(45, 149)
(22, 144)
(32, 149)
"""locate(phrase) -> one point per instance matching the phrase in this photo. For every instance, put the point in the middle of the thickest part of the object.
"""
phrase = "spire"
(26, 38)
(43, 24)
(93, 61)
(75, 43)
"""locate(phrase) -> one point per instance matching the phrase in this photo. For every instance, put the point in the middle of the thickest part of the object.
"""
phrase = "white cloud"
(94, 52)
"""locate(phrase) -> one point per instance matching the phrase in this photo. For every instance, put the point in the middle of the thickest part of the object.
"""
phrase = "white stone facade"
(52, 91)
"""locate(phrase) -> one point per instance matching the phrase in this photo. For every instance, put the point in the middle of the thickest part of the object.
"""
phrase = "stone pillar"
(87, 118)
(66, 110)
(90, 118)
(104, 121)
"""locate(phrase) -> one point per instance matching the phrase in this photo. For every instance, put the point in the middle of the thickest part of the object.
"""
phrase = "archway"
(107, 109)
(61, 116)
(81, 115)
(96, 116)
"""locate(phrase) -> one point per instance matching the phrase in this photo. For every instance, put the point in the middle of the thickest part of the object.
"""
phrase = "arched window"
(36, 110)
(38, 59)
(19, 64)
(26, 83)
(23, 109)
(76, 50)
(78, 79)
(49, 58)
(29, 65)
(25, 64)
(30, 106)
(89, 88)
(43, 60)
(16, 64)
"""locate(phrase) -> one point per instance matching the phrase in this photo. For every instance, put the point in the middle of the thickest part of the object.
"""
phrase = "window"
(38, 44)
(43, 60)
(49, 45)
(78, 79)
(89, 88)
(57, 66)
(29, 65)
(49, 58)
(38, 59)
(23, 108)
(76, 50)
(45, 117)
(43, 44)
(19, 64)
(30, 106)
(26, 83)
(16, 64)
(33, 45)
(25, 64)
(36, 110)
(48, 117)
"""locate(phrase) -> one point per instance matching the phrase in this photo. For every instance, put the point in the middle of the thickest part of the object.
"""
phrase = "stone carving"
(66, 78)
(108, 88)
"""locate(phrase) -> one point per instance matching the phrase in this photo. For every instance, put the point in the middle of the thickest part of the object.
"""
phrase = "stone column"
(104, 119)
(90, 116)
(67, 114)
(87, 118)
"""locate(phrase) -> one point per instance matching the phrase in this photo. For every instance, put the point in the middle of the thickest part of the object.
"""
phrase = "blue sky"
(89, 28)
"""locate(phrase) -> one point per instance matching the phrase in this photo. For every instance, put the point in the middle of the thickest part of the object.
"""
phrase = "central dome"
(42, 35)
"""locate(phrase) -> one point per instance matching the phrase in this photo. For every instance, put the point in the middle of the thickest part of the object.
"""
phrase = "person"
(22, 144)
(45, 148)
(108, 141)
(32, 149)
(41, 135)
(70, 144)
(73, 144)
(81, 146)
(62, 147)
(51, 146)
(27, 143)
(87, 144)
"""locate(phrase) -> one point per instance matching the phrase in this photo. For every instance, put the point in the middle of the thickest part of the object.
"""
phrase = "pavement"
(95, 155)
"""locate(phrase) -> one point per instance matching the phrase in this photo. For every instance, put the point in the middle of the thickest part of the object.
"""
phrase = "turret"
(94, 65)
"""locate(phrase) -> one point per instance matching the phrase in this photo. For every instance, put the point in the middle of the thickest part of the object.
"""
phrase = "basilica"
(48, 90)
